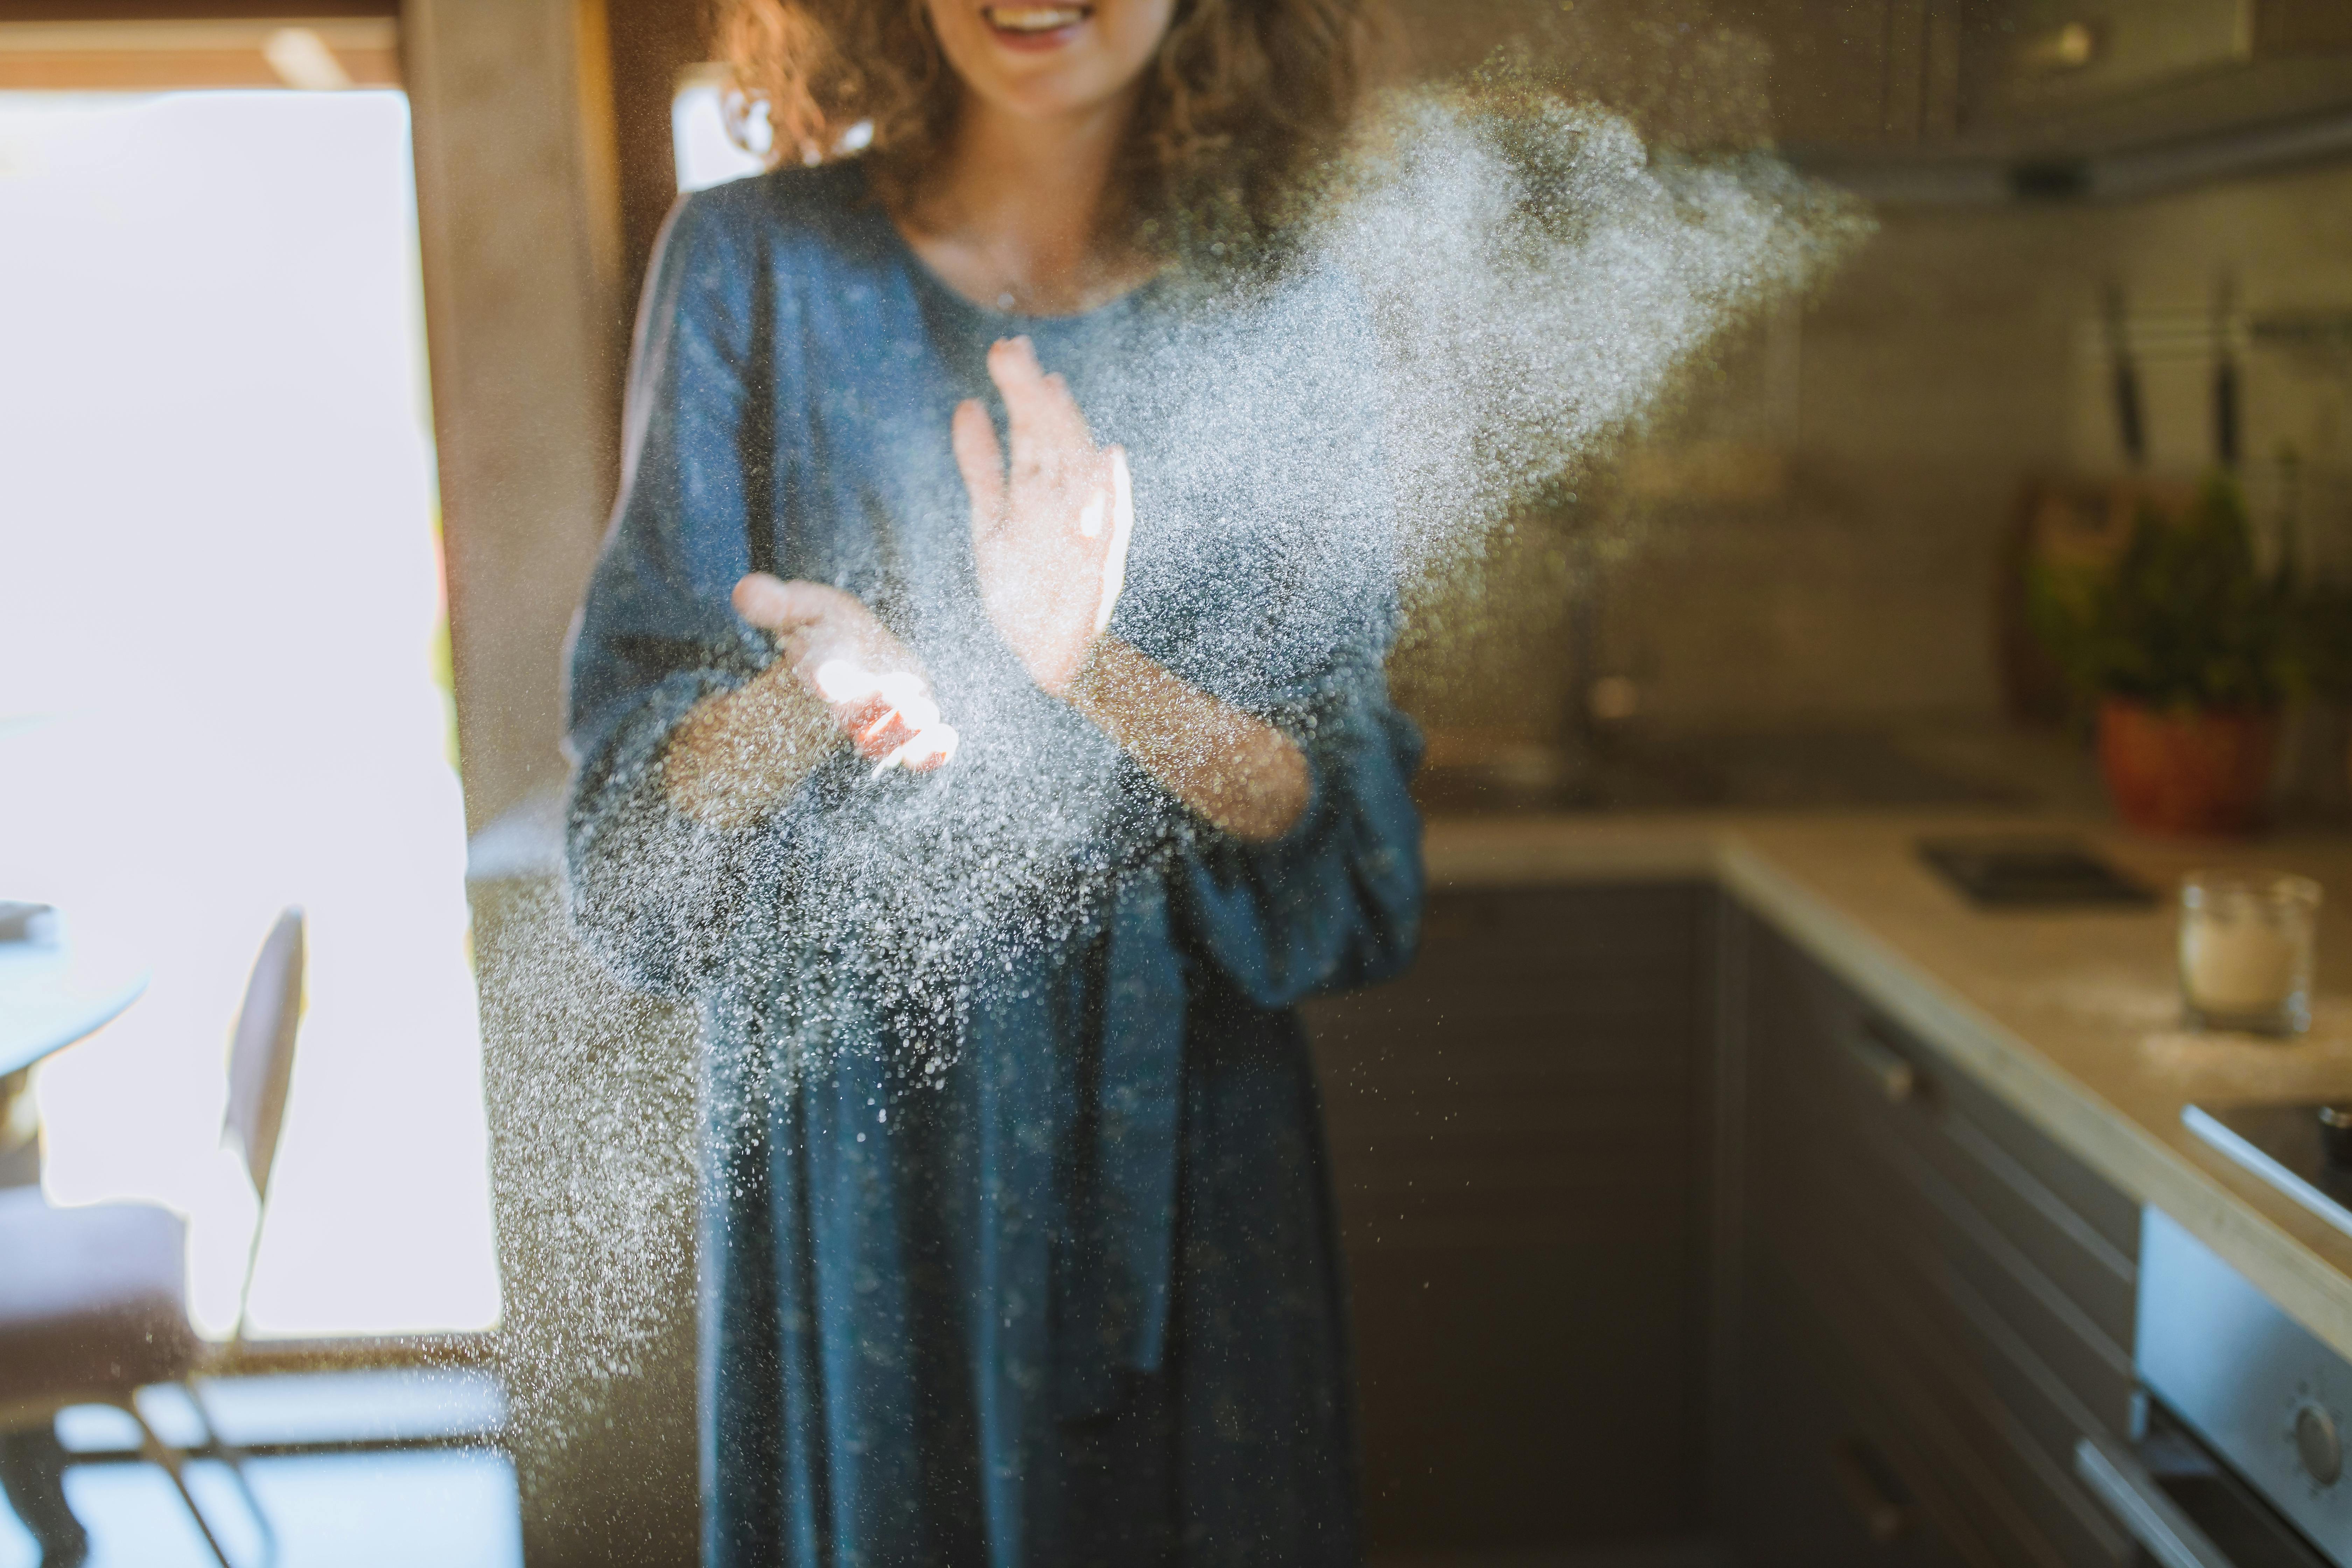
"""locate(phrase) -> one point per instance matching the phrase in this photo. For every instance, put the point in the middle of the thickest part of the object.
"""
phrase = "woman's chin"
(1048, 93)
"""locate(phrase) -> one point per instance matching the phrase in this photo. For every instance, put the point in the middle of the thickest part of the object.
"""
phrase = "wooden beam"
(654, 43)
(522, 323)
(180, 55)
(191, 10)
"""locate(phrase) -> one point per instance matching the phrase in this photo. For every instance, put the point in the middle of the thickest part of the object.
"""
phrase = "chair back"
(261, 1052)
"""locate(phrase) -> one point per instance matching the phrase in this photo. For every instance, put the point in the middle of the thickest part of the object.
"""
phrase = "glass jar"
(2246, 949)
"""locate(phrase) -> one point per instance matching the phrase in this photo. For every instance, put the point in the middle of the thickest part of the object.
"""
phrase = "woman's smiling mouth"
(1034, 26)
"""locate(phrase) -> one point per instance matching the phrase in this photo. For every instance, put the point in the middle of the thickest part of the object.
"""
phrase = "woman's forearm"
(1239, 772)
(740, 754)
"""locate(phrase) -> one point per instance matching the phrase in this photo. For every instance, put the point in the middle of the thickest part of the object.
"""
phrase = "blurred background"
(313, 317)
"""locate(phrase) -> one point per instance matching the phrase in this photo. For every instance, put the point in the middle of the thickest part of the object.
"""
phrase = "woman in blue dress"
(979, 715)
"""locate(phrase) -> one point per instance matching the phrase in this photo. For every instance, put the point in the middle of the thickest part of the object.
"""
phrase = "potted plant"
(2183, 648)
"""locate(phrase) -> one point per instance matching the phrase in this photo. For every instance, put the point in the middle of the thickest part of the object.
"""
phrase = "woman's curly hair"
(1243, 105)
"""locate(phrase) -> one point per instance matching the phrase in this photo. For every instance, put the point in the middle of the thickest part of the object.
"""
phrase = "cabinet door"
(1811, 1467)
(2093, 74)
(1815, 1479)
(1516, 1145)
(1962, 1285)
(2049, 55)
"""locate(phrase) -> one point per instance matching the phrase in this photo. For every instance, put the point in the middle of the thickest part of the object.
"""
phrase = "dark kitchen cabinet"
(1926, 1300)
(1810, 72)
(1937, 101)
(2110, 70)
(2045, 76)
(1516, 1134)
(1657, 1229)
(1859, 73)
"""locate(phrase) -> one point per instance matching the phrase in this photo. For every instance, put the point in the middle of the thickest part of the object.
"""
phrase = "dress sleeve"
(652, 892)
(1335, 903)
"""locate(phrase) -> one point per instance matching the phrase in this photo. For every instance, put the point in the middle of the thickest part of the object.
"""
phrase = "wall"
(1802, 538)
(2286, 240)
(518, 225)
(1930, 378)
(652, 42)
(1958, 357)
(1849, 574)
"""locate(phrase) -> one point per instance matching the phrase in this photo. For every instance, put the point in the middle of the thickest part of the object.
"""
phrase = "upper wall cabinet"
(2093, 74)
(1942, 100)
(1859, 73)
(1703, 73)
(2047, 76)
(1939, 101)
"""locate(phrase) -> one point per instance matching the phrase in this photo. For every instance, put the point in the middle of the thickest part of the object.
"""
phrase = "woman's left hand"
(1050, 538)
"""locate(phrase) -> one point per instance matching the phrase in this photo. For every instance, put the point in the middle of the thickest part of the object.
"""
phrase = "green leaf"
(2186, 618)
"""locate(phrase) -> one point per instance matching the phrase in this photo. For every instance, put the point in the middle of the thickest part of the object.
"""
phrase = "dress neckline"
(1015, 323)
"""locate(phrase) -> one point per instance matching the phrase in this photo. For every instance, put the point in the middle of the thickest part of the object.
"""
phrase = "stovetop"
(2279, 1144)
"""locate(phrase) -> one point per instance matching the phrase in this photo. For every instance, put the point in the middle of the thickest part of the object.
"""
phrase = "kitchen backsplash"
(1818, 536)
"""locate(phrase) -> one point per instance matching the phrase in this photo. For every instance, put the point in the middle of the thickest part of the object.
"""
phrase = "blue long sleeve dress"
(1017, 1243)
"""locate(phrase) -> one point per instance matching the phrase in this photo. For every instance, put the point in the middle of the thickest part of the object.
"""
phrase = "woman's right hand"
(829, 643)
(1049, 534)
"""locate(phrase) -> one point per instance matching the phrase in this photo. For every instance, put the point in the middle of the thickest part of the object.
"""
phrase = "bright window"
(221, 680)
(707, 153)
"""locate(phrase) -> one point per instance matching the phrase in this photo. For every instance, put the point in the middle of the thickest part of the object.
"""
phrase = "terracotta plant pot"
(2186, 772)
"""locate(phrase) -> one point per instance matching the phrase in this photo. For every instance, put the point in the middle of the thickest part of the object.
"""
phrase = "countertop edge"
(2110, 1140)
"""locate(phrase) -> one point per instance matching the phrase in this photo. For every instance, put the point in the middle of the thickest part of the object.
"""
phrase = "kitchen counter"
(2073, 1017)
